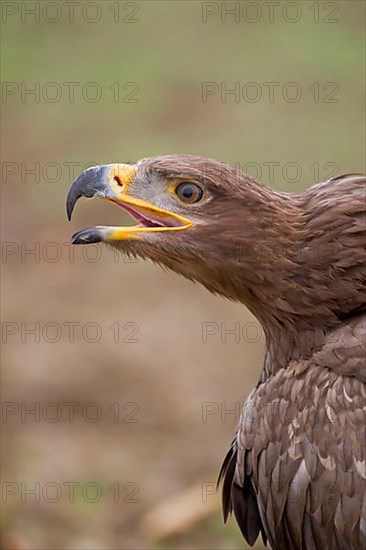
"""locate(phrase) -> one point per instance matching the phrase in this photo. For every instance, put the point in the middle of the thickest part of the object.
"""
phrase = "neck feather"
(296, 261)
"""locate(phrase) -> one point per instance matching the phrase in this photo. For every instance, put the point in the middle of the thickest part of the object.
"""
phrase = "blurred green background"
(158, 54)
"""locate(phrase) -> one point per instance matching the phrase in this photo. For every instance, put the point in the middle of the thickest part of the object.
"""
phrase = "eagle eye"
(189, 192)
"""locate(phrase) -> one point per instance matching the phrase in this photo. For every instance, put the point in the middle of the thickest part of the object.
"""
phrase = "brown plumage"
(296, 470)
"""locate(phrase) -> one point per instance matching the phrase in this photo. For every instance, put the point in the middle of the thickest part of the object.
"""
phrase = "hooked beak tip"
(69, 210)
(90, 182)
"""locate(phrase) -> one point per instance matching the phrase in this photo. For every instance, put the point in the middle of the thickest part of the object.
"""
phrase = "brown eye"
(189, 192)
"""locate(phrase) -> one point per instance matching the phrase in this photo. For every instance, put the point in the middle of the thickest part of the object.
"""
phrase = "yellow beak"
(111, 182)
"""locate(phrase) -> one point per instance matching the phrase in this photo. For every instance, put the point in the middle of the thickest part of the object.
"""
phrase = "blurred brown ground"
(166, 378)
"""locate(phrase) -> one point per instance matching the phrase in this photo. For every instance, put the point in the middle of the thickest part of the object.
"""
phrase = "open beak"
(111, 182)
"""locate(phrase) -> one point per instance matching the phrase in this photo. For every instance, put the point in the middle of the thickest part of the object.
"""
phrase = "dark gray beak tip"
(87, 184)
(69, 210)
(87, 236)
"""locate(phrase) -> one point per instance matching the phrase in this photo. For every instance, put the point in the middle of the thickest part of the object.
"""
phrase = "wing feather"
(296, 471)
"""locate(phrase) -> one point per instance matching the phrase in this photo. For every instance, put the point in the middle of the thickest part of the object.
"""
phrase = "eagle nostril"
(118, 181)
